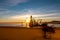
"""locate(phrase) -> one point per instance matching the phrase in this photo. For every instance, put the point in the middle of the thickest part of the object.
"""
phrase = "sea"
(24, 25)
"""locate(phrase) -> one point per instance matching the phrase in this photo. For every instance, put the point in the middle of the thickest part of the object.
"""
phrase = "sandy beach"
(20, 33)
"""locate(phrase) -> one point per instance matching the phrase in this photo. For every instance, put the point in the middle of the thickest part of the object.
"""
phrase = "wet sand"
(18, 33)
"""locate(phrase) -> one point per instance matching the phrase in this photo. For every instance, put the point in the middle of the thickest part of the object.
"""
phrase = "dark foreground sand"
(16, 33)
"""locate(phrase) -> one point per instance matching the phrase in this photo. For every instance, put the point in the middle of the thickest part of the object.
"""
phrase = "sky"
(16, 10)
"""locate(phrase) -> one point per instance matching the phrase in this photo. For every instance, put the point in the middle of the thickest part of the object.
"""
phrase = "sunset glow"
(28, 20)
(17, 10)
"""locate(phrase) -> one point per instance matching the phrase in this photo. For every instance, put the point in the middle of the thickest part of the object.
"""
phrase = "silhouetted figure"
(51, 29)
(44, 29)
(31, 22)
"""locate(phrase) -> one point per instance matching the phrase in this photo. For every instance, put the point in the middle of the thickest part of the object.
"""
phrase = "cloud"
(4, 12)
(13, 2)
(9, 3)
(34, 16)
(2, 9)
(26, 13)
(34, 13)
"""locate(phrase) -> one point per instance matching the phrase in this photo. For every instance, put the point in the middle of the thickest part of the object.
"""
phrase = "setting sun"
(27, 20)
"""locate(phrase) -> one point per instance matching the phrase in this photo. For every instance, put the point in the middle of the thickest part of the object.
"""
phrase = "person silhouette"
(44, 29)
(31, 22)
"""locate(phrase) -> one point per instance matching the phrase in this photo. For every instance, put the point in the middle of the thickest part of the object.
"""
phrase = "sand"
(17, 33)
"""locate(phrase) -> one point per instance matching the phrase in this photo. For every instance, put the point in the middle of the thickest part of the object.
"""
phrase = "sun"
(27, 20)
